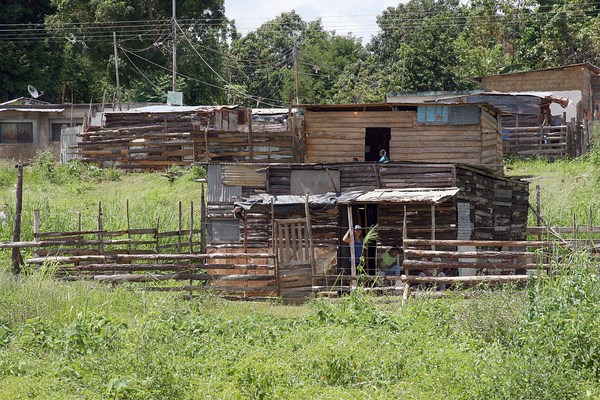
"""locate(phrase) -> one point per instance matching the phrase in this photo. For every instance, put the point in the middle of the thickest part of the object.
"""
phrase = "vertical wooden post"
(203, 221)
(179, 228)
(206, 148)
(352, 252)
(406, 270)
(36, 231)
(245, 232)
(100, 229)
(569, 139)
(591, 227)
(310, 236)
(128, 226)
(274, 243)
(538, 208)
(191, 238)
(156, 235)
(191, 249)
(16, 253)
(575, 230)
(250, 136)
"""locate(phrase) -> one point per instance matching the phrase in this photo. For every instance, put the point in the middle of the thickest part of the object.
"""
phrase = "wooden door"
(294, 259)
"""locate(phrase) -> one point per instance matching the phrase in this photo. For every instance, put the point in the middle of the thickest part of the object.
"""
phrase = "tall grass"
(61, 193)
(86, 341)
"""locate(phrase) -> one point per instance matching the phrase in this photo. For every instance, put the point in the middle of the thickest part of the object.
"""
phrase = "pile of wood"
(156, 140)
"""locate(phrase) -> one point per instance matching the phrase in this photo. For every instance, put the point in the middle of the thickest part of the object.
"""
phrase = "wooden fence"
(571, 139)
(161, 260)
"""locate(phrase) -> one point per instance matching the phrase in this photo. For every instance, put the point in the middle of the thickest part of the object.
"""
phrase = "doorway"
(364, 215)
(377, 139)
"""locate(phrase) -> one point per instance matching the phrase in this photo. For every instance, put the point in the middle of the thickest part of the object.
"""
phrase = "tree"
(144, 36)
(263, 62)
(418, 40)
(31, 58)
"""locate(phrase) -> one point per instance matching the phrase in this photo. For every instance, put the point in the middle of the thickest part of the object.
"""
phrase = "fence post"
(538, 208)
(128, 226)
(36, 231)
(16, 253)
(100, 229)
(179, 228)
(569, 139)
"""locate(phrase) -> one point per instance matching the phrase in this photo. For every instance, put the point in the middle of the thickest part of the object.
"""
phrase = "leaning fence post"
(16, 253)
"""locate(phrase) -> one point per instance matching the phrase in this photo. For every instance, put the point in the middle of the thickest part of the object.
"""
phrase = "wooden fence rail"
(570, 139)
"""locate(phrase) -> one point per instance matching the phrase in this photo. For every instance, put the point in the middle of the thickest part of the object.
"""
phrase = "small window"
(432, 115)
(56, 129)
(16, 132)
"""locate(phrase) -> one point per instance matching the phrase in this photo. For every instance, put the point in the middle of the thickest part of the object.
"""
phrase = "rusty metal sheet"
(242, 175)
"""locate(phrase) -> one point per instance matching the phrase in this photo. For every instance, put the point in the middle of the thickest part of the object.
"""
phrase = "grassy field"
(84, 341)
(72, 341)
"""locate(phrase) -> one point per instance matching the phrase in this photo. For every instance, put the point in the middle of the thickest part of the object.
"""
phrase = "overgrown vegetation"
(62, 192)
(82, 340)
(77, 340)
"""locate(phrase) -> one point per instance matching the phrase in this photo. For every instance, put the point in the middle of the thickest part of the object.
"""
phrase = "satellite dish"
(34, 92)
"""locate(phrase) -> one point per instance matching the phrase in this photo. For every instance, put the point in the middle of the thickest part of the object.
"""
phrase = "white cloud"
(350, 16)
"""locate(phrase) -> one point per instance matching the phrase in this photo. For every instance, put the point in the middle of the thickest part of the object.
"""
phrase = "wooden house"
(261, 208)
(420, 132)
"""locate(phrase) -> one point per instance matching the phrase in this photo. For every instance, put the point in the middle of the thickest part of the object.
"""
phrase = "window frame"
(34, 130)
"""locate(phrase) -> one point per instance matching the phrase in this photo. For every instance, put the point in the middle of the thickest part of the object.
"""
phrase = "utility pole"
(296, 67)
(117, 69)
(174, 48)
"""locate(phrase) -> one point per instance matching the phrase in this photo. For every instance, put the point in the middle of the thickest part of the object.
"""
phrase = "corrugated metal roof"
(40, 110)
(405, 196)
(272, 111)
(172, 109)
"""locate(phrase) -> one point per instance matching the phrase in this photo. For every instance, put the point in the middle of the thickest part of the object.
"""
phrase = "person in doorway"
(358, 242)
(383, 156)
(390, 263)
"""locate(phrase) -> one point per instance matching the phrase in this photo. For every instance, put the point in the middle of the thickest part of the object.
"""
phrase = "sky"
(342, 16)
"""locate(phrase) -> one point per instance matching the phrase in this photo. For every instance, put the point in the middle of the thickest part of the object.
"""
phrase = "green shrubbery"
(46, 169)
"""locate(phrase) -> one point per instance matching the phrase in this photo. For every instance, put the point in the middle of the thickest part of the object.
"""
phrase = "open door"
(294, 260)
(377, 139)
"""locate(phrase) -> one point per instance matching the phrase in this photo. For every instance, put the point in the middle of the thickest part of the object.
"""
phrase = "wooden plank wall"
(418, 218)
(339, 136)
(151, 141)
(491, 146)
(499, 206)
(357, 176)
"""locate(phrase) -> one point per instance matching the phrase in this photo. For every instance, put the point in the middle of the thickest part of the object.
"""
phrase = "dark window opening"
(377, 139)
(16, 132)
(56, 129)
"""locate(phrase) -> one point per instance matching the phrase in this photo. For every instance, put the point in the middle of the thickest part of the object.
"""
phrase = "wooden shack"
(156, 137)
(261, 208)
(420, 132)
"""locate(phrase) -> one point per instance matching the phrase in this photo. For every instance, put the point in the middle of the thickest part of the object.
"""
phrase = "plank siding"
(339, 136)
